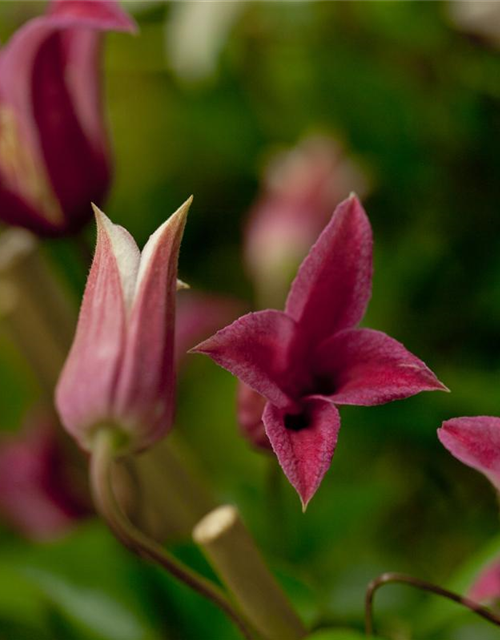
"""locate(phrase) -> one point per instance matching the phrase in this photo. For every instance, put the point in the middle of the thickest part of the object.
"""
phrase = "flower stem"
(401, 578)
(235, 557)
(101, 464)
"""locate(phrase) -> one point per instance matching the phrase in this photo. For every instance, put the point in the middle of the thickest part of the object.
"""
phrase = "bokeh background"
(197, 103)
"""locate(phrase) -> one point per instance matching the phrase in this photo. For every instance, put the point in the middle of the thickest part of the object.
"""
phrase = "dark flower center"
(324, 385)
(296, 421)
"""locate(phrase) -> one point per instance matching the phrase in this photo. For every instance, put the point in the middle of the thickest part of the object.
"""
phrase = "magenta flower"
(39, 494)
(476, 443)
(310, 358)
(54, 157)
(120, 370)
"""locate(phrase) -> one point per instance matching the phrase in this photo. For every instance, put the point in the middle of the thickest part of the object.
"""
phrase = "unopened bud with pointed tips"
(120, 370)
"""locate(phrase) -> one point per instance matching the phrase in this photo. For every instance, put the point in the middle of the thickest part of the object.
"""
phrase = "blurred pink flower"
(198, 316)
(476, 443)
(120, 370)
(310, 358)
(54, 157)
(39, 496)
(302, 187)
(486, 587)
(250, 406)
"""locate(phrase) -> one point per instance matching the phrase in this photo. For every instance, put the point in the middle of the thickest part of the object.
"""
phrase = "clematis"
(476, 443)
(120, 371)
(312, 357)
(54, 155)
(39, 493)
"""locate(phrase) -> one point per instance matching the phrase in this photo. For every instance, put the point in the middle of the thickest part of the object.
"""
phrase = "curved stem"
(101, 462)
(401, 578)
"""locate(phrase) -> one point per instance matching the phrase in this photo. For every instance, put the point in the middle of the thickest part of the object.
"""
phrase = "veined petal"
(97, 14)
(304, 443)
(333, 284)
(476, 443)
(126, 252)
(146, 390)
(86, 388)
(367, 367)
(255, 348)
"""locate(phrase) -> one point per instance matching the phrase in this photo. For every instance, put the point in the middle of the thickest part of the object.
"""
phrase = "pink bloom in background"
(54, 156)
(39, 496)
(311, 357)
(486, 587)
(302, 187)
(476, 443)
(198, 316)
(120, 371)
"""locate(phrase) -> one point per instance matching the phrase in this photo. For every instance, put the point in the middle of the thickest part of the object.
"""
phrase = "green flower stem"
(103, 455)
(232, 552)
(400, 578)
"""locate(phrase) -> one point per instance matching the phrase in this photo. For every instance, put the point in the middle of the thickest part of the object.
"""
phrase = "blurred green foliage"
(418, 104)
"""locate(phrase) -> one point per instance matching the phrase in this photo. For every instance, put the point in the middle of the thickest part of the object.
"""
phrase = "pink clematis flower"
(54, 156)
(310, 358)
(120, 370)
(39, 493)
(476, 443)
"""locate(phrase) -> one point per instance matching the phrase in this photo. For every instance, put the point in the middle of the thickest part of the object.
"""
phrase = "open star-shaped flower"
(312, 357)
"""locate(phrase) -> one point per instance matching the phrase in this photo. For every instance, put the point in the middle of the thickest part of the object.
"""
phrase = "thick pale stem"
(37, 314)
(175, 497)
(232, 552)
(401, 578)
(101, 464)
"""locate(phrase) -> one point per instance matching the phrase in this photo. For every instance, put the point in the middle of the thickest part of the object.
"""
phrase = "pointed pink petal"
(250, 406)
(198, 316)
(476, 443)
(486, 586)
(304, 443)
(97, 14)
(85, 392)
(367, 367)
(255, 348)
(146, 386)
(333, 285)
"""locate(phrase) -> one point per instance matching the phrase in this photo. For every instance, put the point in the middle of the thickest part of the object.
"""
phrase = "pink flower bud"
(54, 157)
(486, 586)
(120, 370)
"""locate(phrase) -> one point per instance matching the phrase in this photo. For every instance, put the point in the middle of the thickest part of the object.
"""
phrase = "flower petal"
(476, 443)
(145, 390)
(367, 367)
(333, 285)
(486, 586)
(198, 316)
(304, 443)
(85, 391)
(250, 406)
(96, 14)
(255, 348)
